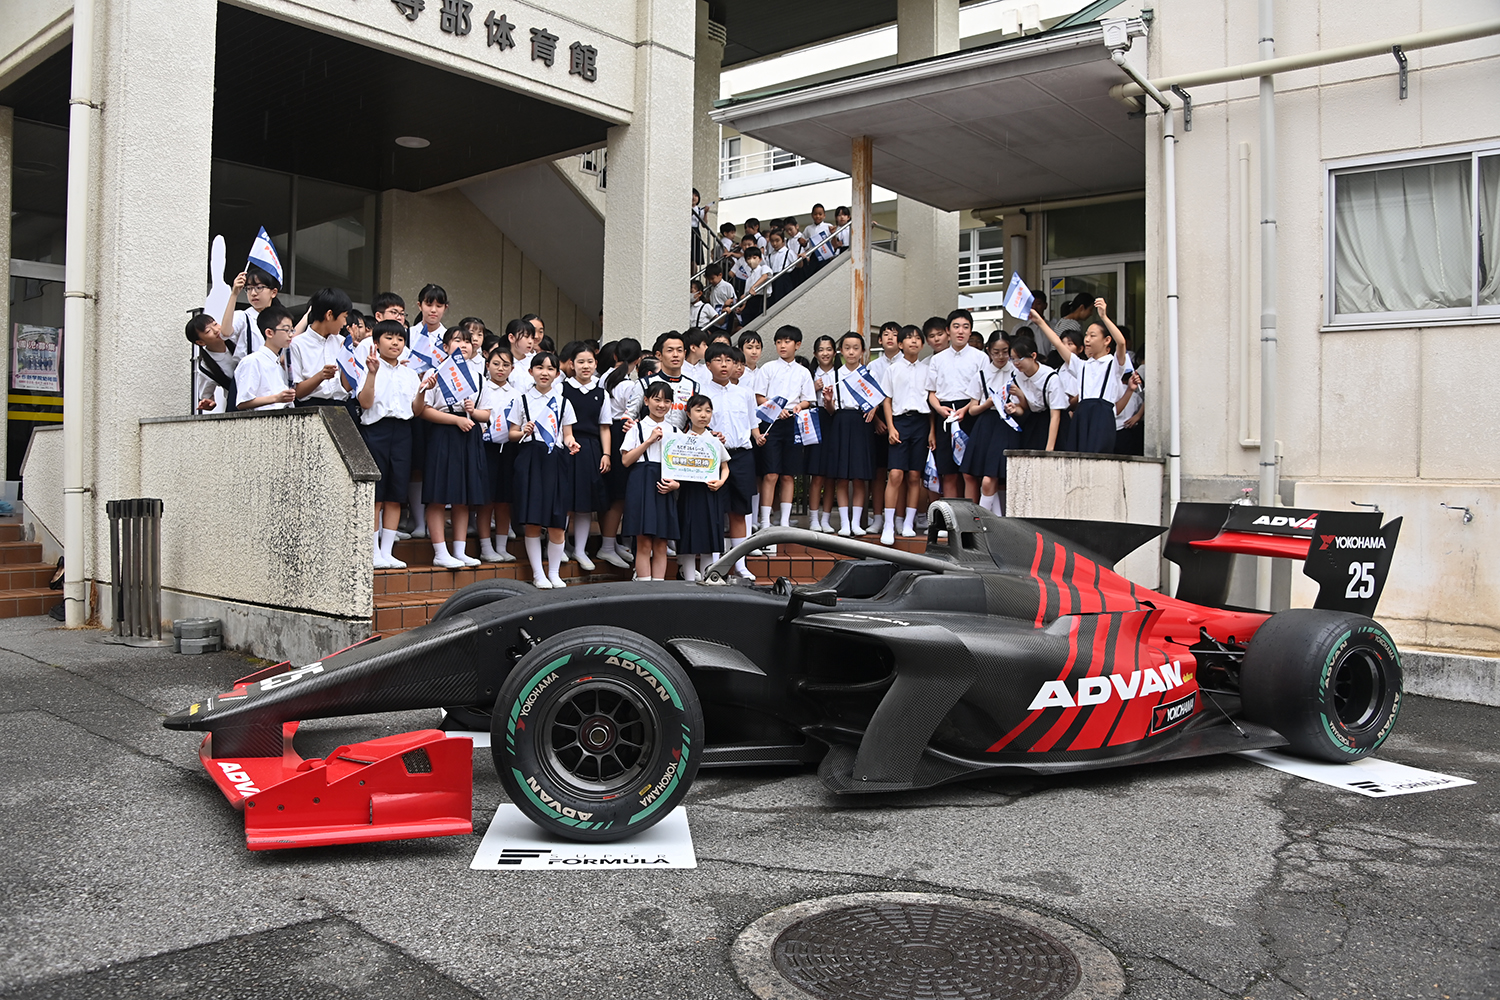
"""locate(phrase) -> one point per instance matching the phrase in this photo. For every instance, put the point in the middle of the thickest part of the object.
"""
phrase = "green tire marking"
(521, 780)
(515, 710)
(666, 793)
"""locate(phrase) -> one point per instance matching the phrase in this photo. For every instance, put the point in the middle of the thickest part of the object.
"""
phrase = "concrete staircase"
(406, 598)
(23, 575)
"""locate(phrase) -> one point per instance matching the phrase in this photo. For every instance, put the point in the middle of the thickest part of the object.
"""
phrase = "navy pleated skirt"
(501, 466)
(985, 454)
(584, 488)
(455, 471)
(647, 510)
(618, 479)
(846, 446)
(538, 486)
(1092, 428)
(700, 519)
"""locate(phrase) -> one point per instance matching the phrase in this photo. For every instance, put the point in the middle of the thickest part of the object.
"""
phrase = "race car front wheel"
(1329, 681)
(597, 734)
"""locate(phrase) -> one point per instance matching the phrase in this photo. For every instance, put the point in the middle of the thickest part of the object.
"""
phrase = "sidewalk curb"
(1474, 679)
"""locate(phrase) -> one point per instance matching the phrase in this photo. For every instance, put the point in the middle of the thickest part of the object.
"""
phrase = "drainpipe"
(81, 111)
(1268, 470)
(1174, 381)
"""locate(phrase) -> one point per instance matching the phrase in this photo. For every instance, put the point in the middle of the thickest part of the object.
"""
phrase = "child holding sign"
(847, 460)
(650, 511)
(993, 433)
(541, 425)
(700, 512)
(454, 470)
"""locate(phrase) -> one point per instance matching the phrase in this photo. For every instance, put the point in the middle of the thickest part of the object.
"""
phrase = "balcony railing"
(762, 162)
(978, 273)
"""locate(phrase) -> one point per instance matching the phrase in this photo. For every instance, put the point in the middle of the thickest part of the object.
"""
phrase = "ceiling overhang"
(1022, 121)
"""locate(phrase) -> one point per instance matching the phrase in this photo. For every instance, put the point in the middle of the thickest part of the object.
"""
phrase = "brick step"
(24, 602)
(11, 531)
(14, 553)
(22, 576)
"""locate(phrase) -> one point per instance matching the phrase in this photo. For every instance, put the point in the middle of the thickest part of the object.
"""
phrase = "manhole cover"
(896, 951)
(914, 946)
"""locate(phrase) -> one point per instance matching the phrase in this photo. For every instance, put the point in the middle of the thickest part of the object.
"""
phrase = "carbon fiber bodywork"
(1007, 645)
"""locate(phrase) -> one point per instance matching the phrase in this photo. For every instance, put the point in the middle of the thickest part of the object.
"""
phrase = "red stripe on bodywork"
(1059, 560)
(1096, 664)
(1127, 649)
(1036, 713)
(1036, 574)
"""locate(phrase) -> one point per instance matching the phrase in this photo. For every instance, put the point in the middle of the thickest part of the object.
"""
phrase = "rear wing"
(1348, 553)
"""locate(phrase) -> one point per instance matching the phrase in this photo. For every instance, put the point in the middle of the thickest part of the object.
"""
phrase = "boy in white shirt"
(719, 294)
(756, 281)
(313, 355)
(695, 342)
(814, 249)
(752, 231)
(214, 385)
(260, 381)
(735, 423)
(781, 456)
(909, 431)
(390, 395)
(952, 384)
(261, 288)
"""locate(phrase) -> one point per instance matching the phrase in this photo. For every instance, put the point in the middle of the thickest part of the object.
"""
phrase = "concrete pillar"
(708, 56)
(7, 163)
(861, 169)
(650, 181)
(148, 245)
(929, 237)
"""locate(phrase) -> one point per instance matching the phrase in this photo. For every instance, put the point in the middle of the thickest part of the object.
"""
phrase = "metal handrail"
(802, 256)
(717, 574)
(763, 162)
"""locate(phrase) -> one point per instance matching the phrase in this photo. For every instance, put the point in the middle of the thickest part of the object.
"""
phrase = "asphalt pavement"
(124, 871)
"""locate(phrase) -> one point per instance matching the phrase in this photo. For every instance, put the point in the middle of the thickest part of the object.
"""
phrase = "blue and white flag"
(1018, 298)
(867, 392)
(456, 380)
(263, 255)
(808, 429)
(351, 365)
(930, 475)
(771, 409)
(1002, 397)
(548, 430)
(422, 356)
(960, 443)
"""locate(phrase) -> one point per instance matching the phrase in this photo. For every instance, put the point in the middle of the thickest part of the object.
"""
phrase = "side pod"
(418, 784)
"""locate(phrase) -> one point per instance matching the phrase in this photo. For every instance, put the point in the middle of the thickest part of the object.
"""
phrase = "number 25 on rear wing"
(1348, 553)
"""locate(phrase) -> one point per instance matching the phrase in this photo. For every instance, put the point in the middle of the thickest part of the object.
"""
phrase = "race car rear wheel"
(475, 595)
(597, 734)
(1329, 681)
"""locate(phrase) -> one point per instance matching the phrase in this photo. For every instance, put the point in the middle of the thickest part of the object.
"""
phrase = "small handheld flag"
(1018, 298)
(867, 392)
(547, 427)
(351, 365)
(263, 255)
(456, 380)
(1001, 397)
(930, 475)
(770, 411)
(960, 443)
(808, 429)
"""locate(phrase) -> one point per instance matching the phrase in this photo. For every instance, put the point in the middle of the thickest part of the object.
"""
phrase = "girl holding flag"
(815, 456)
(454, 468)
(846, 448)
(650, 510)
(541, 427)
(994, 430)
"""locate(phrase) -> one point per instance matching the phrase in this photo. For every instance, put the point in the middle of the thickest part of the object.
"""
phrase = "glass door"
(1121, 283)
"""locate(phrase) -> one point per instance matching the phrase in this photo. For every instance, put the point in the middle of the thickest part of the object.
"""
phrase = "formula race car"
(1008, 645)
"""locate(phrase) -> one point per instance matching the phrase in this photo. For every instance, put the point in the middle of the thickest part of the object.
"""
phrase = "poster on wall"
(35, 354)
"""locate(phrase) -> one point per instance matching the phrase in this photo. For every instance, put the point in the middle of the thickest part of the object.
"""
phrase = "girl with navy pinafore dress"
(541, 426)
(454, 469)
(815, 457)
(1101, 382)
(650, 508)
(984, 459)
(585, 488)
(700, 506)
(496, 397)
(848, 459)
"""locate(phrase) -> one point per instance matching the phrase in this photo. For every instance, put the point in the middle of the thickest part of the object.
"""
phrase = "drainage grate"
(922, 951)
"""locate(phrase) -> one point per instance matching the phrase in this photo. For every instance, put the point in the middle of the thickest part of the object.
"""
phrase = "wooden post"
(861, 170)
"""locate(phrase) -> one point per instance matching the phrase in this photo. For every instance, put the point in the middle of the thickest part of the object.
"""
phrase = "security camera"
(1116, 33)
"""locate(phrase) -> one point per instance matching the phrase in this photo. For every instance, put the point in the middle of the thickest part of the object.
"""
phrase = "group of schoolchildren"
(549, 441)
(750, 272)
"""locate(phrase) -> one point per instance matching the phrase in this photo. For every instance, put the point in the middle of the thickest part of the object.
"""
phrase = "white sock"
(414, 501)
(754, 514)
(534, 555)
(387, 540)
(581, 525)
(827, 516)
(765, 517)
(606, 546)
(554, 558)
(786, 515)
(875, 522)
(440, 549)
(909, 519)
(843, 518)
(459, 544)
(858, 515)
(689, 567)
(487, 547)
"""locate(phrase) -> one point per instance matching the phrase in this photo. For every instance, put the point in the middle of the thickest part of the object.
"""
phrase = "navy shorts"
(781, 455)
(911, 454)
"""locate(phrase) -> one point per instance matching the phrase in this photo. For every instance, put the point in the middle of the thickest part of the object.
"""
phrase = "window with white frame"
(1415, 240)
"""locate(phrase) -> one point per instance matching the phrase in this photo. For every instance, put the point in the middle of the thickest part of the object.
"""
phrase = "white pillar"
(929, 237)
(7, 161)
(147, 244)
(708, 56)
(861, 164)
(650, 181)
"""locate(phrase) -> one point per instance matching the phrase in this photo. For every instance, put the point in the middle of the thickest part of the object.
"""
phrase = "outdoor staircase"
(23, 575)
(406, 598)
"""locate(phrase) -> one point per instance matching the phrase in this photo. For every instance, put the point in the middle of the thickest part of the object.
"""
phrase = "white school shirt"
(754, 379)
(740, 269)
(624, 399)
(880, 366)
(520, 374)
(206, 387)
(530, 403)
(1043, 391)
(906, 384)
(698, 373)
(1132, 407)
(955, 374)
(638, 434)
(787, 379)
(760, 241)
(842, 235)
(821, 379)
(762, 271)
(308, 352)
(1097, 378)
(396, 387)
(259, 375)
(498, 399)
(245, 332)
(734, 412)
(992, 378)
(719, 295)
(814, 234)
(780, 260)
(702, 314)
(684, 387)
(714, 443)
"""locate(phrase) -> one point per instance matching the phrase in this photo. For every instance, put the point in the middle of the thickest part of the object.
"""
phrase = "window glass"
(243, 199)
(1095, 230)
(1489, 230)
(335, 239)
(39, 192)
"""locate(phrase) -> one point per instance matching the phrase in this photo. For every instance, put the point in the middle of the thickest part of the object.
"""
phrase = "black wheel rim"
(1358, 689)
(599, 737)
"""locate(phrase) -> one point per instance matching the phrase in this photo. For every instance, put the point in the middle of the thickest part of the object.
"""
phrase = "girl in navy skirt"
(650, 508)
(819, 488)
(541, 428)
(496, 397)
(846, 448)
(700, 506)
(984, 459)
(623, 392)
(454, 471)
(585, 489)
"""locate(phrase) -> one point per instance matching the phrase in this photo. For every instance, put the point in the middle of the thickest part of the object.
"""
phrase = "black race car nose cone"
(906, 946)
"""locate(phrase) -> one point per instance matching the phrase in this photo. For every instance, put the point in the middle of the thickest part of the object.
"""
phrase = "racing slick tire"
(1328, 681)
(597, 734)
(476, 718)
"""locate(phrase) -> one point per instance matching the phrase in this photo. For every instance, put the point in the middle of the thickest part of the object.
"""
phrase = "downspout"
(1174, 381)
(1268, 483)
(81, 110)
